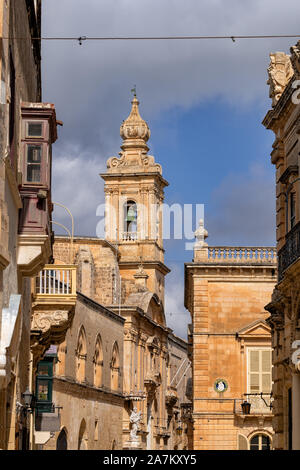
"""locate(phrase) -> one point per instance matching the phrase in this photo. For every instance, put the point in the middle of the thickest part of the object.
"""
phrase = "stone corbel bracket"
(49, 327)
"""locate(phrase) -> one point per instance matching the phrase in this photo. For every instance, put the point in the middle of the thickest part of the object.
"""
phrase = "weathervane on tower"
(133, 90)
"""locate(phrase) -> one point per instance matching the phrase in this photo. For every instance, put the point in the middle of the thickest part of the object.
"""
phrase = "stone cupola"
(134, 130)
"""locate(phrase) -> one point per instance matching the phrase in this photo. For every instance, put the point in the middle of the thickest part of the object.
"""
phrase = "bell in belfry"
(131, 214)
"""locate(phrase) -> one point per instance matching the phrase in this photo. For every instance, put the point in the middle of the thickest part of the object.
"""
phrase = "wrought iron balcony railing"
(290, 252)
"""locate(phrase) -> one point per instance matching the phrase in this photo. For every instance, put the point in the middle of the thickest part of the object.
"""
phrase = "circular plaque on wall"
(220, 385)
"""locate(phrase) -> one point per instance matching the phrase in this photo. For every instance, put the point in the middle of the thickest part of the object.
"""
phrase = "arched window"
(62, 442)
(82, 437)
(61, 356)
(260, 442)
(81, 356)
(130, 221)
(115, 367)
(98, 363)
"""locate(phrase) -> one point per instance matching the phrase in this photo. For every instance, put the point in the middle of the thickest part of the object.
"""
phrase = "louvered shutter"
(266, 380)
(260, 363)
(254, 371)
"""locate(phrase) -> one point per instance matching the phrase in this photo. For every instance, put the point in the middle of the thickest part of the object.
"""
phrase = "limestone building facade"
(283, 119)
(88, 380)
(123, 277)
(226, 289)
(28, 128)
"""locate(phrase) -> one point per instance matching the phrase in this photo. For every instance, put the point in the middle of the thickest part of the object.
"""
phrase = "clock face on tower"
(220, 385)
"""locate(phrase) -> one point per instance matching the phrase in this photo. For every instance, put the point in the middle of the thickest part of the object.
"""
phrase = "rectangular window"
(44, 382)
(259, 371)
(34, 160)
(34, 129)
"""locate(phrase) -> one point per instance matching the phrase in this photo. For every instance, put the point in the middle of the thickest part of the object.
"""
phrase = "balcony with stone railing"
(130, 236)
(53, 304)
(241, 255)
(231, 255)
(260, 404)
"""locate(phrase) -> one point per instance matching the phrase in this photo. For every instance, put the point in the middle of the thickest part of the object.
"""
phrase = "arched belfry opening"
(130, 220)
(134, 195)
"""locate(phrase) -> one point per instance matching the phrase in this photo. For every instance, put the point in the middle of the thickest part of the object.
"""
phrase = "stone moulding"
(9, 338)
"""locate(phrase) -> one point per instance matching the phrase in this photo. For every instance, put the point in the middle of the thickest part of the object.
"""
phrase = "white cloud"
(77, 185)
(91, 83)
(90, 86)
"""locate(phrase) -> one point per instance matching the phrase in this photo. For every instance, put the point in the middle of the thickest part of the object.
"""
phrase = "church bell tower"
(134, 194)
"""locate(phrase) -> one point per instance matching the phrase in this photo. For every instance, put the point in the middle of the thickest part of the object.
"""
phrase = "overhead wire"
(81, 39)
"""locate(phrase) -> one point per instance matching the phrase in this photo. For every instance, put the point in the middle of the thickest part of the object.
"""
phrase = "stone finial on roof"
(134, 130)
(200, 246)
(141, 276)
(201, 234)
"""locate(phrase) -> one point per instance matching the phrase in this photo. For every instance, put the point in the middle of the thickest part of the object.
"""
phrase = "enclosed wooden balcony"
(53, 305)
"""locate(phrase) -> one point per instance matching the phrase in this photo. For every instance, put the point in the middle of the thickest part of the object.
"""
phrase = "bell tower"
(134, 194)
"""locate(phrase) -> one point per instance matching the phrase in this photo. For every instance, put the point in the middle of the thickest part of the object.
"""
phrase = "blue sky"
(216, 155)
(203, 101)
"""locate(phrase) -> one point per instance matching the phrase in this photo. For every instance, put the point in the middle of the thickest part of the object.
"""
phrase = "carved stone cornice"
(276, 307)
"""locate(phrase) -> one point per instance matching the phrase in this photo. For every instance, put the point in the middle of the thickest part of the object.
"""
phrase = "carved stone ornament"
(200, 234)
(280, 72)
(134, 127)
(295, 57)
(135, 419)
(45, 320)
(135, 134)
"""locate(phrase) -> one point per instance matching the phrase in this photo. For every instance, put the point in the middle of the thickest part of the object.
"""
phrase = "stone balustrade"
(246, 254)
(260, 404)
(56, 280)
(129, 236)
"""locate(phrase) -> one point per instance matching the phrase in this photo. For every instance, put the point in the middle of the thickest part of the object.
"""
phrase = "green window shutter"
(44, 384)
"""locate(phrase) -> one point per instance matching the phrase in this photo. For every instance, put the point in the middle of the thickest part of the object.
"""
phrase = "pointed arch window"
(62, 440)
(98, 363)
(130, 220)
(115, 367)
(81, 354)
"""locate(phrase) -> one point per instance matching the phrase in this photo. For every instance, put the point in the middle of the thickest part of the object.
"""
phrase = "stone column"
(296, 410)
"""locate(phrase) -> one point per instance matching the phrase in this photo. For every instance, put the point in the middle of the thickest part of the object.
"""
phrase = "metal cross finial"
(133, 90)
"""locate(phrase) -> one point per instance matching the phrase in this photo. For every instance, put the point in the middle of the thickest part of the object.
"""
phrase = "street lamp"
(28, 398)
(246, 407)
(179, 429)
